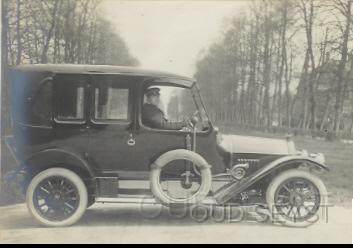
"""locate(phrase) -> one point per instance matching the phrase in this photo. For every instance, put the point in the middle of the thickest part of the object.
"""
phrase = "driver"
(153, 116)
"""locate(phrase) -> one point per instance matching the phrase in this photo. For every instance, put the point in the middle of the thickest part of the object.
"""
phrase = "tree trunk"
(49, 35)
(341, 69)
(309, 22)
(18, 32)
(304, 88)
(28, 42)
(5, 119)
(267, 71)
(327, 109)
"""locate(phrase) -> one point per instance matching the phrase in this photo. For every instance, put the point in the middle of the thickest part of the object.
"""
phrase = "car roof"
(106, 69)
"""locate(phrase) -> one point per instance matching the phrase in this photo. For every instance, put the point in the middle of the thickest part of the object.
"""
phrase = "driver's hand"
(185, 129)
(188, 122)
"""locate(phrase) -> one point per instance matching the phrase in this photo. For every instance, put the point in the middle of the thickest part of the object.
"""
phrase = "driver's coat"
(153, 117)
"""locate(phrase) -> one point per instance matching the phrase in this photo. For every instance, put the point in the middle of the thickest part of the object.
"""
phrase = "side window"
(70, 100)
(111, 101)
(42, 105)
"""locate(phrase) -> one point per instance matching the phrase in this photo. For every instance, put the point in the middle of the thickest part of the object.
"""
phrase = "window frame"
(76, 78)
(37, 98)
(120, 85)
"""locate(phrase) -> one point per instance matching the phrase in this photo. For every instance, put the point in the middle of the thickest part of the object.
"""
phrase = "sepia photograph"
(176, 122)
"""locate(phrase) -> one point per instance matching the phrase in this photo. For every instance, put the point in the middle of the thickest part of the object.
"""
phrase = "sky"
(169, 35)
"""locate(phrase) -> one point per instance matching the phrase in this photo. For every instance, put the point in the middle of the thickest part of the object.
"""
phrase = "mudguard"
(228, 191)
(58, 157)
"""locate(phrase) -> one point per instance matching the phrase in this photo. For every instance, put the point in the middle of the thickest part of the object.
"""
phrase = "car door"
(71, 112)
(111, 119)
(151, 142)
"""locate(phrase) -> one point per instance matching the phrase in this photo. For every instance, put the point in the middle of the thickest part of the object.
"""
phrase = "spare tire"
(187, 155)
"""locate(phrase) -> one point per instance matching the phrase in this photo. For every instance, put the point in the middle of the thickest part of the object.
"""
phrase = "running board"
(143, 200)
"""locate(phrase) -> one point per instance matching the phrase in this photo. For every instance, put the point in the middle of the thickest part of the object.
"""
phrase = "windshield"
(200, 105)
(178, 103)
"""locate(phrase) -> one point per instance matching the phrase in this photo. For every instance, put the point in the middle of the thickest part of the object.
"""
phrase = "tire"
(73, 202)
(180, 154)
(279, 183)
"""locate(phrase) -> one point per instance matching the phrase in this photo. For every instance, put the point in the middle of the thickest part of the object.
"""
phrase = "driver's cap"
(153, 91)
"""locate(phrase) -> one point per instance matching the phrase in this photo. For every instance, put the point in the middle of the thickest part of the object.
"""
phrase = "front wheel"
(57, 197)
(295, 198)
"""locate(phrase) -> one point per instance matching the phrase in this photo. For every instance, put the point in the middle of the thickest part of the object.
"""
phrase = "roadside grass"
(339, 157)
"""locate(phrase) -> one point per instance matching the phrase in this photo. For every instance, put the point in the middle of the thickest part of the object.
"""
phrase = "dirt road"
(125, 224)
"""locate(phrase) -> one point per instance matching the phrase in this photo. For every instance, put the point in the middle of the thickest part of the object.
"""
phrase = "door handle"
(131, 141)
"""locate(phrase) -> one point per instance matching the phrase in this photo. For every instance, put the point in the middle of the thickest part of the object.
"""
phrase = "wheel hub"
(299, 200)
(57, 196)
(296, 199)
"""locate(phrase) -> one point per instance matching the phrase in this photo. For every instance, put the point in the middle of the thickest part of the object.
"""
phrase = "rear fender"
(56, 157)
(227, 192)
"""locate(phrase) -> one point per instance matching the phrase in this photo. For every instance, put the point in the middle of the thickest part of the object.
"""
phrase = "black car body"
(64, 117)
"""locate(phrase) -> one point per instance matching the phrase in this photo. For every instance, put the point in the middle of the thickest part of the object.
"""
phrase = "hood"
(258, 145)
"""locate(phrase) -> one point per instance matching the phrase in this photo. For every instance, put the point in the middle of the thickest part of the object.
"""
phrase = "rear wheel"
(57, 197)
(295, 198)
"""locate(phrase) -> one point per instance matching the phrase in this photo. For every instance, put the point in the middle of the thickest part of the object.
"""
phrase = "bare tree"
(54, 31)
(264, 47)
(345, 8)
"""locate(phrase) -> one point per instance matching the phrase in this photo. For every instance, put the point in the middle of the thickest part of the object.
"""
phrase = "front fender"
(227, 192)
(285, 161)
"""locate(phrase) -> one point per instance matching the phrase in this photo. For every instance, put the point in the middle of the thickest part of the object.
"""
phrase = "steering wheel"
(196, 113)
(194, 119)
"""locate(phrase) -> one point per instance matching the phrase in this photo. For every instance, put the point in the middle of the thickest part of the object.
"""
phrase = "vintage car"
(79, 139)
